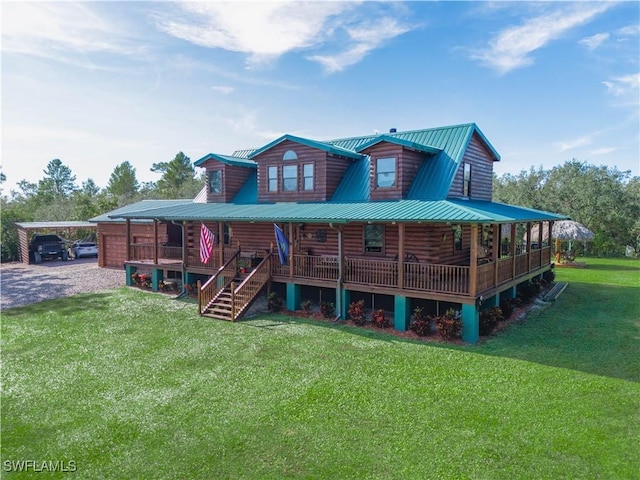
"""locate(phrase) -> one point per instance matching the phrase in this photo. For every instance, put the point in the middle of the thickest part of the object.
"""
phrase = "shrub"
(274, 303)
(549, 276)
(306, 306)
(449, 325)
(528, 291)
(356, 312)
(328, 309)
(507, 305)
(420, 323)
(489, 319)
(380, 319)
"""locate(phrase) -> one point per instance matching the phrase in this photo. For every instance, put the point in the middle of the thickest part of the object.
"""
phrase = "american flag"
(206, 243)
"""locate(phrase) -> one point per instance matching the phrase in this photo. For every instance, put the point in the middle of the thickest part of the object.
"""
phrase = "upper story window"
(272, 178)
(215, 181)
(373, 238)
(466, 180)
(386, 172)
(290, 178)
(307, 173)
(290, 155)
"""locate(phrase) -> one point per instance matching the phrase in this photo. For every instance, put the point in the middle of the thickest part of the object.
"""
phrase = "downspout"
(183, 293)
(340, 269)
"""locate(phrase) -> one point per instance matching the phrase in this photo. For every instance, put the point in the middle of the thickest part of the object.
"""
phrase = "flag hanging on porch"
(206, 243)
(283, 245)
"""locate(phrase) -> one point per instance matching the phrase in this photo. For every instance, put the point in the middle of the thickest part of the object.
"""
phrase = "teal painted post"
(156, 277)
(129, 270)
(492, 301)
(293, 296)
(401, 313)
(470, 323)
(346, 300)
(189, 278)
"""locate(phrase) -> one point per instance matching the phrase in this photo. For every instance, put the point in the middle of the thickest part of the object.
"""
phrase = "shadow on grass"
(64, 305)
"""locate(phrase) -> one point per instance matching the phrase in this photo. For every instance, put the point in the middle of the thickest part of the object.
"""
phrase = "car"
(81, 248)
(45, 247)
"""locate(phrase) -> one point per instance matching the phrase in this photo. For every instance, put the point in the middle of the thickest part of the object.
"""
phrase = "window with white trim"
(307, 174)
(215, 181)
(386, 172)
(290, 178)
(272, 178)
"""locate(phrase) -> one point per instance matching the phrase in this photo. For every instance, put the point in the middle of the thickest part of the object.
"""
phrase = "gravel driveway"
(22, 284)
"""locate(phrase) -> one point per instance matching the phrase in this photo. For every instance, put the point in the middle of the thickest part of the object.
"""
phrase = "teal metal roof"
(327, 147)
(249, 191)
(137, 207)
(243, 153)
(342, 212)
(397, 141)
(53, 225)
(227, 159)
(354, 186)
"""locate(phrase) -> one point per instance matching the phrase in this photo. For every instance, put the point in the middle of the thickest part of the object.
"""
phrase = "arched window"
(289, 155)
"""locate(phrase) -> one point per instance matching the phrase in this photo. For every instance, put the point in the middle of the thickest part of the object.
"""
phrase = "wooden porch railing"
(141, 251)
(383, 273)
(208, 292)
(243, 294)
(437, 278)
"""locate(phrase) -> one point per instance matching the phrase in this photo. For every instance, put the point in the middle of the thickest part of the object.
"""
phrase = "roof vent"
(392, 130)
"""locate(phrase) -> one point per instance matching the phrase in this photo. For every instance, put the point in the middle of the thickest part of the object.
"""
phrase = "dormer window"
(215, 181)
(272, 173)
(290, 178)
(386, 172)
(289, 155)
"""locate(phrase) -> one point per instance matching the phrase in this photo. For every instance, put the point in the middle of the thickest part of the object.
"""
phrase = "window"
(457, 238)
(466, 180)
(386, 172)
(289, 155)
(373, 238)
(226, 234)
(272, 174)
(307, 173)
(290, 178)
(215, 181)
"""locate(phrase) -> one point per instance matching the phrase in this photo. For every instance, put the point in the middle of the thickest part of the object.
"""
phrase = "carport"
(65, 229)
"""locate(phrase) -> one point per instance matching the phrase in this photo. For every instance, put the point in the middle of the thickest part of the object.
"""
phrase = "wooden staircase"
(233, 300)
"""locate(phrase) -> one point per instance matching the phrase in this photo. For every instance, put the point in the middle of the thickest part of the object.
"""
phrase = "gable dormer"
(394, 165)
(295, 169)
(225, 175)
(474, 176)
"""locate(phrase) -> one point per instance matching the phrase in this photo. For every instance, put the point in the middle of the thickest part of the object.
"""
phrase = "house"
(400, 219)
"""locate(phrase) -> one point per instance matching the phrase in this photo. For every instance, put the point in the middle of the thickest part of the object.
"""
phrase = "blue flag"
(283, 245)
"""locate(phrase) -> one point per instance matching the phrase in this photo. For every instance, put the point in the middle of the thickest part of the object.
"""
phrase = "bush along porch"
(404, 220)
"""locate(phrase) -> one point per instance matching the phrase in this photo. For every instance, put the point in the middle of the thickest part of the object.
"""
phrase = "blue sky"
(98, 83)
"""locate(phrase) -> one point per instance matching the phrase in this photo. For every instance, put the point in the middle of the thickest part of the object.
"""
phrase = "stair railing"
(243, 294)
(208, 292)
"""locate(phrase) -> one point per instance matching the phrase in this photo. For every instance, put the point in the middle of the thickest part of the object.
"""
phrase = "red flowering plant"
(141, 279)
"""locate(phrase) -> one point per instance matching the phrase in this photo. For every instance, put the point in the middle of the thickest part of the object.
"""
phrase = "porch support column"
(155, 241)
(189, 279)
(293, 296)
(346, 300)
(291, 252)
(402, 312)
(185, 256)
(495, 253)
(492, 301)
(401, 256)
(129, 270)
(157, 276)
(128, 240)
(221, 243)
(529, 243)
(470, 323)
(512, 248)
(473, 262)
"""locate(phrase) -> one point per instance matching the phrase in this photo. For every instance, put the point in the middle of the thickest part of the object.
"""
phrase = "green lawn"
(129, 384)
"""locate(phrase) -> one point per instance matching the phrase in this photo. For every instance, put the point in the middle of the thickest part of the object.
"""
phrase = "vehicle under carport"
(67, 230)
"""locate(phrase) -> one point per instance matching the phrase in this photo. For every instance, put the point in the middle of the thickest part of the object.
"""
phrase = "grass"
(129, 384)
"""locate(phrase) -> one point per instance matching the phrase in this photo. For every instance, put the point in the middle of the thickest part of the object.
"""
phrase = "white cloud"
(513, 46)
(629, 31)
(603, 151)
(264, 31)
(622, 86)
(594, 41)
(62, 31)
(364, 39)
(573, 144)
(223, 89)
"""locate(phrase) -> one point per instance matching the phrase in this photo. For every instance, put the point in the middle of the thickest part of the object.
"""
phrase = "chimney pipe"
(392, 130)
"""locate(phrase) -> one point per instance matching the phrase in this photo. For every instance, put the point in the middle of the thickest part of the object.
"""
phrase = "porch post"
(128, 240)
(129, 271)
(470, 323)
(185, 255)
(291, 252)
(529, 243)
(346, 300)
(549, 239)
(221, 243)
(155, 241)
(473, 262)
(495, 254)
(157, 276)
(293, 296)
(401, 229)
(402, 313)
(513, 250)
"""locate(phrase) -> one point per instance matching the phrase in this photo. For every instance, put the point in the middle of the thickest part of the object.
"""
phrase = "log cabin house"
(400, 219)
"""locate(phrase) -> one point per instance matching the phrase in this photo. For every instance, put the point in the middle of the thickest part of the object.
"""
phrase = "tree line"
(58, 197)
(604, 199)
